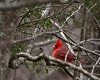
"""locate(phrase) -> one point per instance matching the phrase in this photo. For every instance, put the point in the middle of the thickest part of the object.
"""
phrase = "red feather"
(60, 52)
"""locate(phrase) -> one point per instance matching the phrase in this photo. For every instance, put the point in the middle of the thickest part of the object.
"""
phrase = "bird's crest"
(59, 43)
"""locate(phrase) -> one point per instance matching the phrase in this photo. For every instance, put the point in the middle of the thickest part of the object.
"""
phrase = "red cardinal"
(60, 52)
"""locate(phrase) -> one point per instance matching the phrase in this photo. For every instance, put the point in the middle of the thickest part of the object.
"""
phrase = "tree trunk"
(8, 23)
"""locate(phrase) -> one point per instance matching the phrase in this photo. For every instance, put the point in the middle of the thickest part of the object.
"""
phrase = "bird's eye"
(55, 46)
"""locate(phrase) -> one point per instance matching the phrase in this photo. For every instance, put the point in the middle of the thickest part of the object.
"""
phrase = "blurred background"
(24, 27)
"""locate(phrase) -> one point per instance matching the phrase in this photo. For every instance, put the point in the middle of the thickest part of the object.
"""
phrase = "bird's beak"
(54, 47)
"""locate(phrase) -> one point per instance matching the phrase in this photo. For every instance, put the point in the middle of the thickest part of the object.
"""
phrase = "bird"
(60, 51)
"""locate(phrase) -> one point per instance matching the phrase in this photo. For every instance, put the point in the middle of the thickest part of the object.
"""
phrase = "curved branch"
(63, 63)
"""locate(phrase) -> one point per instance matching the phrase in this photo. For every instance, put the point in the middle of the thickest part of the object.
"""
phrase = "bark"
(8, 23)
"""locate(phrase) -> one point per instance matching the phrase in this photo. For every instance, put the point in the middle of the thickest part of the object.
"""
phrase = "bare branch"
(38, 35)
(93, 6)
(44, 43)
(63, 63)
(77, 45)
(94, 66)
(20, 4)
(71, 15)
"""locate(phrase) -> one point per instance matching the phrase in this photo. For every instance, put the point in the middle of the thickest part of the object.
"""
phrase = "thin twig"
(38, 35)
(71, 15)
(77, 45)
(71, 33)
(23, 18)
(93, 6)
(94, 66)
(44, 18)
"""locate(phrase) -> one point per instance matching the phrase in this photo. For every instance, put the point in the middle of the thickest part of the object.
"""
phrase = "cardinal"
(61, 50)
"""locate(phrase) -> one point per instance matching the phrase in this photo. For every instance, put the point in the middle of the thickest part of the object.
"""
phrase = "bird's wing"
(62, 52)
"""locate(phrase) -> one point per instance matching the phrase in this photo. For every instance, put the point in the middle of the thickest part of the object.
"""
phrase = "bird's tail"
(83, 61)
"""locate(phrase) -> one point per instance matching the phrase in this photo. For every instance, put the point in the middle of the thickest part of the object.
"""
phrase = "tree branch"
(94, 66)
(42, 56)
(21, 4)
(77, 45)
(38, 35)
